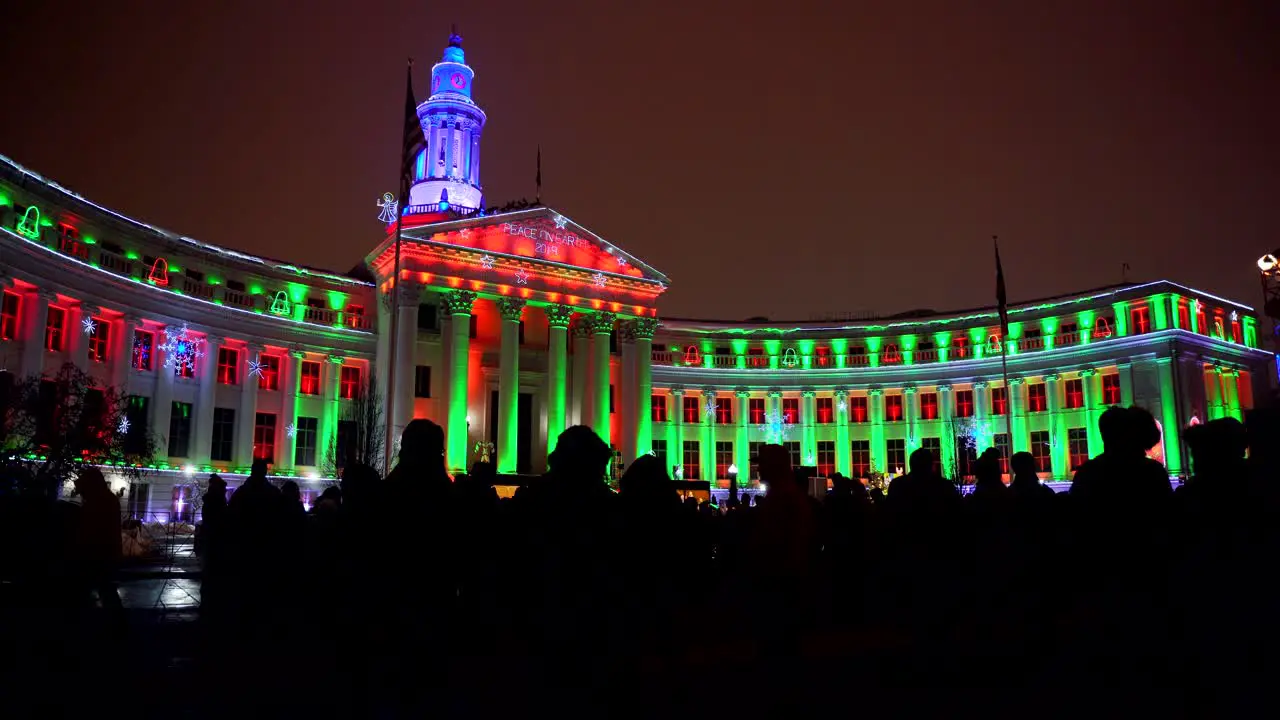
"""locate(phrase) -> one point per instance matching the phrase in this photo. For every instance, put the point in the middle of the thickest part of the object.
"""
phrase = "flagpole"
(1002, 307)
(395, 336)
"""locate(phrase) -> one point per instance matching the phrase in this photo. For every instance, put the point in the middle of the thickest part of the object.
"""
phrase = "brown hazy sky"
(798, 158)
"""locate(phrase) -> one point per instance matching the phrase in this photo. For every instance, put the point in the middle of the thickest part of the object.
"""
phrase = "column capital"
(944, 387)
(626, 332)
(979, 384)
(775, 392)
(709, 391)
(742, 392)
(677, 390)
(840, 392)
(808, 392)
(875, 391)
(296, 352)
(581, 326)
(458, 302)
(132, 319)
(410, 293)
(1088, 372)
(558, 315)
(211, 339)
(1052, 377)
(909, 390)
(512, 309)
(335, 359)
(1124, 363)
(601, 322)
(644, 327)
(1016, 381)
(255, 347)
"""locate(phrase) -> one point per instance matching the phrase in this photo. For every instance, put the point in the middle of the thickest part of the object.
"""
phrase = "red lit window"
(228, 359)
(960, 348)
(964, 403)
(826, 458)
(756, 358)
(1075, 394)
(826, 408)
(185, 369)
(69, 242)
(692, 410)
(98, 340)
(309, 378)
(861, 466)
(143, 346)
(929, 406)
(891, 354)
(55, 329)
(355, 316)
(1040, 451)
(692, 459)
(1077, 447)
(9, 316)
(999, 401)
(1235, 330)
(264, 437)
(1140, 320)
(1202, 324)
(1111, 389)
(724, 458)
(1218, 330)
(1037, 397)
(822, 357)
(858, 409)
(1184, 316)
(349, 382)
(791, 410)
(269, 378)
(893, 408)
(658, 408)
(756, 408)
(724, 411)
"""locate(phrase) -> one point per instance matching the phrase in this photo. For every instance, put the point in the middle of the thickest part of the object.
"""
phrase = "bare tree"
(365, 435)
(54, 425)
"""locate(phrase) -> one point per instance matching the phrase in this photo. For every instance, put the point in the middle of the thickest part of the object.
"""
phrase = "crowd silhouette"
(420, 593)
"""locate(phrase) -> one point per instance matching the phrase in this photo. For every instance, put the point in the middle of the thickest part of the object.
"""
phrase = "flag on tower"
(1002, 300)
(414, 141)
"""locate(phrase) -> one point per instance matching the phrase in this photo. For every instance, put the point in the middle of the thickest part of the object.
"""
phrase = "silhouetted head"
(1113, 426)
(421, 443)
(259, 469)
(643, 475)
(217, 484)
(1217, 447)
(580, 454)
(290, 493)
(1263, 425)
(90, 483)
(1146, 433)
(775, 465)
(1023, 464)
(921, 462)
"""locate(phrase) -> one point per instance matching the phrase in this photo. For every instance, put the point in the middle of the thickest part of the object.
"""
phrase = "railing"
(824, 361)
(1030, 344)
(197, 289)
(115, 263)
(926, 356)
(1067, 339)
(319, 315)
(724, 361)
(356, 322)
(856, 360)
(237, 298)
(74, 248)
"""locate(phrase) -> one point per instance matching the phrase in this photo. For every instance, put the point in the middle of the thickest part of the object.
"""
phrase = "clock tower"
(447, 173)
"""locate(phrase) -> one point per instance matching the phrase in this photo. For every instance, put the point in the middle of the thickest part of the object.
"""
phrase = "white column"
(558, 317)
(290, 371)
(207, 367)
(162, 399)
(475, 157)
(580, 403)
(626, 392)
(642, 329)
(122, 362)
(448, 151)
(601, 328)
(35, 316)
(247, 413)
(405, 359)
(1126, 382)
(458, 304)
(326, 434)
(511, 310)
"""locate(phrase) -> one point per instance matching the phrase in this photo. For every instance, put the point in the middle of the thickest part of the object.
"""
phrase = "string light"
(389, 205)
(776, 427)
(599, 279)
(710, 408)
(486, 262)
(559, 221)
(522, 277)
(181, 350)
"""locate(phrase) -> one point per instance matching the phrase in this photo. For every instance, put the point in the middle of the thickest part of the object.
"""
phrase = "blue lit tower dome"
(449, 169)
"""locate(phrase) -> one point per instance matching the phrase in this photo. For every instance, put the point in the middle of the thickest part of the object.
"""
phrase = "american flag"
(414, 141)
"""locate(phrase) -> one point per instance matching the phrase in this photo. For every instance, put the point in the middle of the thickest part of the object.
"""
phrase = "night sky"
(803, 158)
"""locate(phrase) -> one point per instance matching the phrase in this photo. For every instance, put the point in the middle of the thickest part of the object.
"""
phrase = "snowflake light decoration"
(522, 277)
(123, 427)
(255, 368)
(465, 232)
(777, 427)
(559, 221)
(622, 262)
(842, 405)
(291, 430)
(181, 349)
(598, 279)
(389, 205)
(486, 262)
(89, 325)
(1234, 316)
(710, 408)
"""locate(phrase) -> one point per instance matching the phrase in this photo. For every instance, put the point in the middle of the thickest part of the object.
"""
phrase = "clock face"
(458, 81)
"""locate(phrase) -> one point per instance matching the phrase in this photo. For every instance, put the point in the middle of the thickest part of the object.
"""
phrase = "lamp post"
(733, 485)
(1269, 274)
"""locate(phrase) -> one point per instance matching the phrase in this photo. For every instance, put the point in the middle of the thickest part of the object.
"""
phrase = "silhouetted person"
(98, 536)
(922, 489)
(213, 548)
(1026, 483)
(989, 490)
(1123, 475)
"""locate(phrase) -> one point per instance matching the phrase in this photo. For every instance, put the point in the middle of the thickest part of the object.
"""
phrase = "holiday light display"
(181, 350)
(29, 225)
(777, 427)
(486, 262)
(388, 206)
(522, 277)
(88, 325)
(255, 368)
(123, 427)
(291, 430)
(280, 304)
(159, 274)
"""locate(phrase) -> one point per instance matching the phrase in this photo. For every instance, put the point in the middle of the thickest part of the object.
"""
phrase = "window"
(858, 409)
(659, 449)
(893, 408)
(98, 340)
(136, 411)
(1000, 441)
(658, 408)
(826, 458)
(756, 358)
(692, 412)
(55, 329)
(724, 458)
(180, 430)
(1068, 334)
(895, 455)
(137, 503)
(1040, 451)
(999, 401)
(724, 411)
(143, 347)
(309, 383)
(960, 348)
(1037, 397)
(422, 381)
(264, 437)
(861, 466)
(1077, 446)
(857, 356)
(1184, 316)
(1235, 331)
(349, 382)
(934, 446)
(793, 449)
(822, 358)
(185, 369)
(1139, 320)
(929, 406)
(791, 410)
(348, 434)
(1111, 389)
(689, 461)
(232, 285)
(964, 403)
(1032, 339)
(1074, 394)
(228, 360)
(224, 432)
(181, 509)
(755, 407)
(9, 316)
(194, 274)
(355, 316)
(304, 452)
(1202, 324)
(428, 318)
(966, 456)
(269, 378)
(826, 410)
(753, 452)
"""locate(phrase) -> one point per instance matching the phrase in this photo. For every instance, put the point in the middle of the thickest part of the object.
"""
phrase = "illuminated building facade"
(515, 324)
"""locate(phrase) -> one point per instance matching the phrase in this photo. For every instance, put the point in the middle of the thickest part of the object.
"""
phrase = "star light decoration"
(389, 205)
(559, 221)
(291, 430)
(181, 350)
(777, 427)
(486, 262)
(123, 427)
(89, 325)
(598, 279)
(522, 277)
(465, 232)
(255, 368)
(842, 405)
